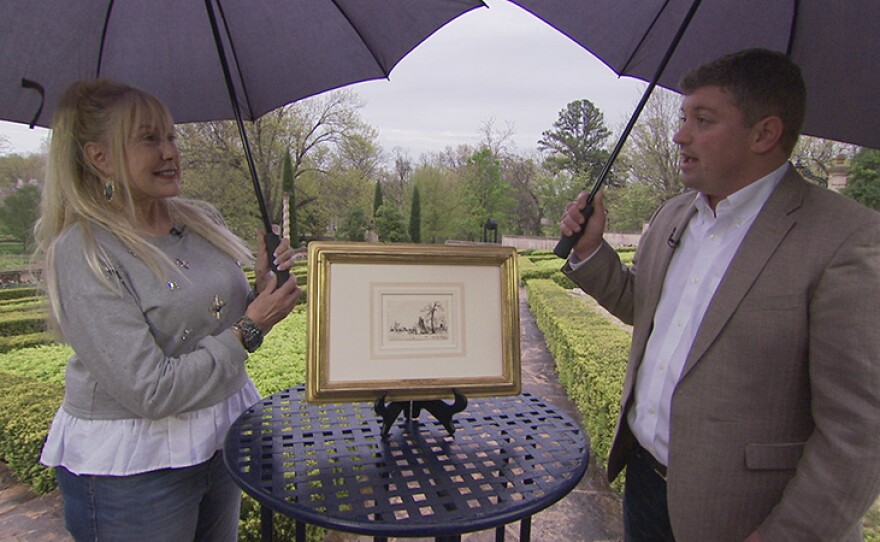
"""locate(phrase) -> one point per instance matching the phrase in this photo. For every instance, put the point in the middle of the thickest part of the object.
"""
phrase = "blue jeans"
(645, 513)
(169, 505)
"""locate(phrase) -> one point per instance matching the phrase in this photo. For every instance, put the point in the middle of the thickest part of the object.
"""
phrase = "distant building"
(838, 173)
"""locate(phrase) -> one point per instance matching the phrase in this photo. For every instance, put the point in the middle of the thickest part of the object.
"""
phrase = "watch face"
(251, 334)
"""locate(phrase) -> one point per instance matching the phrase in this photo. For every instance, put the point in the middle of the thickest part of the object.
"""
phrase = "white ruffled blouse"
(121, 447)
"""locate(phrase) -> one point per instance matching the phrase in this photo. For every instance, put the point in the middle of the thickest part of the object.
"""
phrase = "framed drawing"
(411, 321)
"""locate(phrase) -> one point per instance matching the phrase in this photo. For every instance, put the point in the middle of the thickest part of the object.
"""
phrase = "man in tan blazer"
(751, 403)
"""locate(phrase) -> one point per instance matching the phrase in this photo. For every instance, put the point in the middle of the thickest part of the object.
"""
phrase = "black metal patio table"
(328, 465)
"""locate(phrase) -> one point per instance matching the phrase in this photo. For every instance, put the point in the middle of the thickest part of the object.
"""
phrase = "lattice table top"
(328, 465)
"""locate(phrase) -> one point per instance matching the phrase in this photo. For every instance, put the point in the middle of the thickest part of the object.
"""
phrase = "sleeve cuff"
(575, 263)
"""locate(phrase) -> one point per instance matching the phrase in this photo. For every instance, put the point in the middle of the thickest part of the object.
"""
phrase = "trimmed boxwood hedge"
(590, 353)
(22, 322)
(27, 406)
(16, 342)
(17, 292)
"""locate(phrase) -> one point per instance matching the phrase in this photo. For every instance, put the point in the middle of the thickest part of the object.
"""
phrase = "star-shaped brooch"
(217, 307)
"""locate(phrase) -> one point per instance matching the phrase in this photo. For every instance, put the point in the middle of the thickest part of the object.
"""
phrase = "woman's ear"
(96, 154)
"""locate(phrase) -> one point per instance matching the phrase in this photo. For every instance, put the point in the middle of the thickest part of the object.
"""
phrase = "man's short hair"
(762, 83)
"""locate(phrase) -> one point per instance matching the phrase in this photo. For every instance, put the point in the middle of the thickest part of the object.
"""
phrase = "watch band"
(251, 334)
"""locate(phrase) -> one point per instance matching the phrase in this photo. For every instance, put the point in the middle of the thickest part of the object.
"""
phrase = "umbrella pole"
(272, 239)
(567, 242)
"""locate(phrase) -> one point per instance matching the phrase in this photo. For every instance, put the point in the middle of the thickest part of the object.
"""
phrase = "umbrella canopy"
(208, 59)
(279, 51)
(836, 44)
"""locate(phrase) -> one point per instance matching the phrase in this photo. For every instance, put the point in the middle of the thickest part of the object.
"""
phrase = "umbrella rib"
(244, 89)
(793, 27)
(361, 36)
(103, 39)
(644, 37)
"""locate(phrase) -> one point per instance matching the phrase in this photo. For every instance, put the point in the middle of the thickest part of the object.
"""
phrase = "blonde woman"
(147, 289)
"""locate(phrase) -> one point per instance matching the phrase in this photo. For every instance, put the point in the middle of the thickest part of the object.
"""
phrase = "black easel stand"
(411, 409)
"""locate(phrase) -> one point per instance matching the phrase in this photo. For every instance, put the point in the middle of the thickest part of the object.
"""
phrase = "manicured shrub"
(44, 363)
(17, 342)
(21, 323)
(590, 353)
(542, 255)
(35, 304)
(27, 406)
(527, 268)
(541, 269)
(17, 292)
(281, 361)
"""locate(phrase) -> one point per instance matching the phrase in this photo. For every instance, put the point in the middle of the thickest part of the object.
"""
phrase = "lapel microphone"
(178, 231)
(674, 240)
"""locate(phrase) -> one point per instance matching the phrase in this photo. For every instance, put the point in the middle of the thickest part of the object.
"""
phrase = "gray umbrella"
(195, 55)
(836, 44)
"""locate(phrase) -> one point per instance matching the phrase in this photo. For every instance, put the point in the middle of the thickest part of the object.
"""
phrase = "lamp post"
(492, 226)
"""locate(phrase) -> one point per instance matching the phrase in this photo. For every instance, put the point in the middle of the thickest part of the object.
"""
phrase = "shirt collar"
(744, 204)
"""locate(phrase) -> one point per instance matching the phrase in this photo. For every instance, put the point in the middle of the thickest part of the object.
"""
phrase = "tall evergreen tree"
(18, 213)
(377, 198)
(576, 142)
(390, 225)
(354, 225)
(415, 217)
(287, 189)
(864, 178)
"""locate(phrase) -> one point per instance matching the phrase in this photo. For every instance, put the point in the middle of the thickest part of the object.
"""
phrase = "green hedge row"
(27, 406)
(17, 292)
(23, 303)
(542, 269)
(547, 268)
(22, 323)
(526, 267)
(590, 354)
(15, 342)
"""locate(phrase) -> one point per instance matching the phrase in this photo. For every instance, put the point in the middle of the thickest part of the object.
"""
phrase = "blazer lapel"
(766, 233)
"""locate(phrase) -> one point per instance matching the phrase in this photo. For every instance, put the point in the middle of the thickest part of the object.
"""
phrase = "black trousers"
(645, 512)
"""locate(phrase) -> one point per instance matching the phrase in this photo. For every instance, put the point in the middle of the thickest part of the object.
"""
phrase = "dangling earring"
(108, 189)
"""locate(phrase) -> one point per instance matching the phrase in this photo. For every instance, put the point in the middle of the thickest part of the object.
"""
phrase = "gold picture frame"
(411, 321)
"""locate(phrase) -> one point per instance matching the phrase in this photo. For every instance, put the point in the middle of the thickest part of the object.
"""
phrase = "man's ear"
(766, 133)
(96, 154)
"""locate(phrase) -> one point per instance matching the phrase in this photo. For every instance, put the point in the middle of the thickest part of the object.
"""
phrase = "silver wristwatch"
(251, 334)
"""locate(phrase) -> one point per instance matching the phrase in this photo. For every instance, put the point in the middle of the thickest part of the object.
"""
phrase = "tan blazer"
(775, 422)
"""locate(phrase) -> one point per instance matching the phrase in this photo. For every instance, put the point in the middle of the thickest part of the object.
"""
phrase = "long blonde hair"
(109, 113)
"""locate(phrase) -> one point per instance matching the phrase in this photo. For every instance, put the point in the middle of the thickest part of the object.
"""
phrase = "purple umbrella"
(836, 45)
(207, 60)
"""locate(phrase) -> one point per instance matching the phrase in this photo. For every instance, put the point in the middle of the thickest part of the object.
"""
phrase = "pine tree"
(415, 218)
(377, 198)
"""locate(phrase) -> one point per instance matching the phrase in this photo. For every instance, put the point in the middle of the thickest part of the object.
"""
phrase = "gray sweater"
(158, 347)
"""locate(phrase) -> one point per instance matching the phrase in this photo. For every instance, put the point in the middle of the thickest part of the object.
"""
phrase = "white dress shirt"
(700, 261)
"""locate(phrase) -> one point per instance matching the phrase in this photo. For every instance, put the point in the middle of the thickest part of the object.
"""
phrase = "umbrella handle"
(567, 242)
(272, 242)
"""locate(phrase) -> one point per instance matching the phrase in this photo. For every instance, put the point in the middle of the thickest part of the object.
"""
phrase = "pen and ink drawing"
(418, 320)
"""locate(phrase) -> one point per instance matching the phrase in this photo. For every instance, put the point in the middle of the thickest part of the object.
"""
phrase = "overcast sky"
(500, 63)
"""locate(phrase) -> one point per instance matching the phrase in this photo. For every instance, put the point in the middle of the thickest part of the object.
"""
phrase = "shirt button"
(652, 410)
